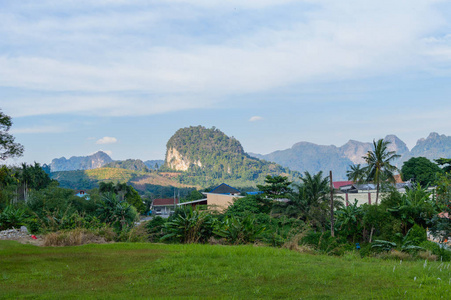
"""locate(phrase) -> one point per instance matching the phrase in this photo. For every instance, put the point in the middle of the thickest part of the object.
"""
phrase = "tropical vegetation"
(294, 213)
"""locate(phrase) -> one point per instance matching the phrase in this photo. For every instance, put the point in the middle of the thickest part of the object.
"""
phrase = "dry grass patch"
(73, 237)
(294, 244)
(427, 255)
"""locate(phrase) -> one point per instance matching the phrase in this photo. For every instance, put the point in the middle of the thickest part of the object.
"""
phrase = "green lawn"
(126, 270)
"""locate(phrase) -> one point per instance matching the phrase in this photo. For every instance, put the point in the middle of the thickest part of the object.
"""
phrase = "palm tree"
(379, 164)
(315, 187)
(357, 173)
(314, 191)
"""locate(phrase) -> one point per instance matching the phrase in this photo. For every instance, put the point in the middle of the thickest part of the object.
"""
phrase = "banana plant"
(239, 230)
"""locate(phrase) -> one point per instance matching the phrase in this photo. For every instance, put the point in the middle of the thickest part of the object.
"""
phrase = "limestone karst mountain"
(304, 156)
(208, 156)
(94, 161)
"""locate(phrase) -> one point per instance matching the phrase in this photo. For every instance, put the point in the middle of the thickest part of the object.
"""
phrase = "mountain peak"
(396, 144)
(434, 135)
(93, 161)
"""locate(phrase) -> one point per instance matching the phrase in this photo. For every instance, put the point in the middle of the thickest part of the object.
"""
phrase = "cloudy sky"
(122, 76)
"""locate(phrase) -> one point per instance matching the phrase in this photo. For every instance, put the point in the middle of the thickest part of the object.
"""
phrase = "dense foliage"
(420, 170)
(129, 164)
(125, 193)
(284, 214)
(29, 197)
(8, 148)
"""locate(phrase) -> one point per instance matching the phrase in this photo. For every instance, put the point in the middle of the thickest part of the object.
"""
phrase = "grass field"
(127, 270)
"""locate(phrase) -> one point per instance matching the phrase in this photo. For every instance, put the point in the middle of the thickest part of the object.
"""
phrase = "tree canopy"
(276, 187)
(8, 148)
(421, 170)
(379, 164)
(445, 163)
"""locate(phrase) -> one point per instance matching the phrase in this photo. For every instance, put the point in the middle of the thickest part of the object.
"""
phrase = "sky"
(123, 76)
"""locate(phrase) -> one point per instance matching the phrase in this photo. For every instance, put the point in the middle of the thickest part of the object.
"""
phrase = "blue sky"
(123, 76)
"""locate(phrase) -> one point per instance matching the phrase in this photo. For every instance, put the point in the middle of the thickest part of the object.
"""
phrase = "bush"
(417, 235)
(155, 229)
(136, 234)
(118, 214)
(12, 217)
(294, 243)
(324, 243)
(282, 230)
(189, 226)
(395, 254)
(237, 230)
(436, 249)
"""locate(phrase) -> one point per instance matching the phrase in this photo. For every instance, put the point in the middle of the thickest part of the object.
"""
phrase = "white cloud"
(255, 118)
(335, 41)
(106, 140)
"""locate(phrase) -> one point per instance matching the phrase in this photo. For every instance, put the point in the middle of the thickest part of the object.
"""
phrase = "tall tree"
(276, 187)
(356, 173)
(379, 164)
(8, 148)
(445, 163)
(313, 198)
(421, 170)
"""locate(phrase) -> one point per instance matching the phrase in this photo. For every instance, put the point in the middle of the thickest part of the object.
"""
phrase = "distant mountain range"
(101, 159)
(305, 156)
(210, 154)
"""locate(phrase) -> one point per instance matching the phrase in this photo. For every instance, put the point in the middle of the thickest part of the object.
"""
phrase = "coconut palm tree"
(356, 173)
(379, 164)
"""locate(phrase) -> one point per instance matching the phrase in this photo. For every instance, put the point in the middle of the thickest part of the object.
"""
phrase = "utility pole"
(174, 200)
(332, 233)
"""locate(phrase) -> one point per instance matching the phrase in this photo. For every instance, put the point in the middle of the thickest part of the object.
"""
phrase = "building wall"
(220, 202)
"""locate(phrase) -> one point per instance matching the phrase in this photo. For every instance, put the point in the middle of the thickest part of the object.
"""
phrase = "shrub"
(118, 214)
(417, 235)
(12, 217)
(237, 230)
(427, 255)
(324, 243)
(189, 226)
(294, 243)
(155, 228)
(134, 235)
(396, 255)
(436, 249)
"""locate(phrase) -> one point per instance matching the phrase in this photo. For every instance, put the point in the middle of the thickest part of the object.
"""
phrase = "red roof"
(339, 184)
(398, 178)
(165, 201)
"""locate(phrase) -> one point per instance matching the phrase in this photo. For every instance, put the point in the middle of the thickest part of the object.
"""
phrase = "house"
(164, 206)
(225, 189)
(364, 192)
(219, 198)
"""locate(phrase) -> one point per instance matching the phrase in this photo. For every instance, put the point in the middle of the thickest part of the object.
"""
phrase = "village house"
(219, 198)
(164, 206)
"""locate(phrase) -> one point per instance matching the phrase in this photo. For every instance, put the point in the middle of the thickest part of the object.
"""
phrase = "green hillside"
(158, 185)
(129, 164)
(213, 158)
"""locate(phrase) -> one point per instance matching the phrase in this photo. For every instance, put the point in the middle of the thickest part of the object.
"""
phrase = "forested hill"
(208, 157)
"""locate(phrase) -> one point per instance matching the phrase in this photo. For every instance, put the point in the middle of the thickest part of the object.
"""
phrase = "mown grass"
(142, 270)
